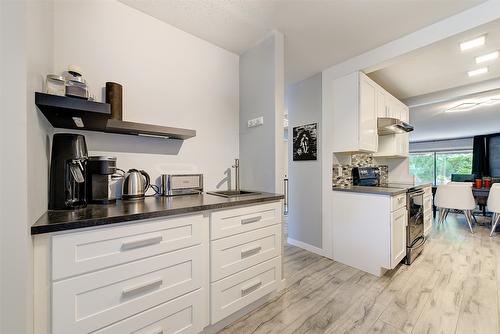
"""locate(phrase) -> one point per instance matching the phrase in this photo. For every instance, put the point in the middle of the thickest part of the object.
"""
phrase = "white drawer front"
(81, 252)
(239, 290)
(427, 203)
(428, 218)
(241, 251)
(398, 202)
(427, 191)
(183, 315)
(89, 302)
(239, 220)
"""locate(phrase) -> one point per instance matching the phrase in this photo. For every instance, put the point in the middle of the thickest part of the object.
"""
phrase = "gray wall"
(442, 145)
(259, 91)
(304, 103)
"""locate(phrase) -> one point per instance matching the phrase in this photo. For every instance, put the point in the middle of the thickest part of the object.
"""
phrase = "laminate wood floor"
(453, 287)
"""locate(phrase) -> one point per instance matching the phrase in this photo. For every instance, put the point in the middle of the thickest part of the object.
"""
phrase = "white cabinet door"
(399, 220)
(382, 110)
(405, 113)
(368, 137)
(354, 114)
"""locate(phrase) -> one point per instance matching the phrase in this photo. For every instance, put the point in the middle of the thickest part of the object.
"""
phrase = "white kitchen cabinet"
(369, 230)
(399, 221)
(393, 146)
(153, 276)
(354, 114)
(357, 103)
(246, 257)
(428, 212)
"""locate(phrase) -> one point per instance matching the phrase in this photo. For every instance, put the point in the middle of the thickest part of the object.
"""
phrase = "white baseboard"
(307, 247)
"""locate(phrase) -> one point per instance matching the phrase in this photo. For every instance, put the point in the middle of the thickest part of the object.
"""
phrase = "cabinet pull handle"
(246, 289)
(142, 287)
(251, 220)
(141, 243)
(245, 252)
(158, 330)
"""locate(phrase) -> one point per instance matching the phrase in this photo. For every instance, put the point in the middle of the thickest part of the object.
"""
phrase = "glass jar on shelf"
(55, 85)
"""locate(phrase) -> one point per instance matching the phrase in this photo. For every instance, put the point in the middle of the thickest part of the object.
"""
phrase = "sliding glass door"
(437, 167)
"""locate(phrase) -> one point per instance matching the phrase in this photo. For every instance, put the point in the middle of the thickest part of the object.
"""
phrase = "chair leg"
(446, 214)
(468, 216)
(442, 214)
(474, 217)
(494, 222)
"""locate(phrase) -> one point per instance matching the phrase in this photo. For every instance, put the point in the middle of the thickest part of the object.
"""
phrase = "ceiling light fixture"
(473, 43)
(462, 107)
(479, 71)
(487, 57)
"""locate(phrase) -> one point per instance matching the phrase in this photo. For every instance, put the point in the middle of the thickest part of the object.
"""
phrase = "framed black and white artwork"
(305, 142)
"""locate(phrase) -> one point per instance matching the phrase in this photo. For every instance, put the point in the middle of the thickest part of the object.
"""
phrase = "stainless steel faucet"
(236, 167)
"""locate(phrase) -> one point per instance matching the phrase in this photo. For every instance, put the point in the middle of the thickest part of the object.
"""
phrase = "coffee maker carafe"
(67, 172)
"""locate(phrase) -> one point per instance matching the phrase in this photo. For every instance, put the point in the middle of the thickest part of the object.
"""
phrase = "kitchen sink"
(233, 193)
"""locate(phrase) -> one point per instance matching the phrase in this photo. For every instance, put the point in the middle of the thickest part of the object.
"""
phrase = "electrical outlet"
(256, 122)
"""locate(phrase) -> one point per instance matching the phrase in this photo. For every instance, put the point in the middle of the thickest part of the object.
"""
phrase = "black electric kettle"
(135, 184)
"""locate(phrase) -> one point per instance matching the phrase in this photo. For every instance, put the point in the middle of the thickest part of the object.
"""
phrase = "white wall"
(169, 78)
(303, 101)
(15, 246)
(262, 94)
(26, 58)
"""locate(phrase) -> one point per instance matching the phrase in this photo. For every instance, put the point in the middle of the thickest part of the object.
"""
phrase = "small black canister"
(114, 95)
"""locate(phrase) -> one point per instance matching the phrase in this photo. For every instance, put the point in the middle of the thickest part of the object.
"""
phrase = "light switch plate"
(256, 122)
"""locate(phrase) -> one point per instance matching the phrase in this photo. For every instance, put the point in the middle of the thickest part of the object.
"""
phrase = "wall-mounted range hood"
(79, 114)
(390, 126)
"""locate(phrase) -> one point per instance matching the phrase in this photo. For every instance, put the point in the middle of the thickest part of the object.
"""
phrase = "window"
(437, 167)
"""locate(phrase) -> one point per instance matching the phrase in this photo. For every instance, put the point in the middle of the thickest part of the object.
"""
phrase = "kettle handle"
(146, 176)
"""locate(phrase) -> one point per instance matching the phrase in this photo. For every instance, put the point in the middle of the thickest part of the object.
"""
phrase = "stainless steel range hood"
(390, 126)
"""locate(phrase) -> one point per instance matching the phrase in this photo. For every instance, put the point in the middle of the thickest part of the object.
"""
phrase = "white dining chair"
(455, 196)
(494, 205)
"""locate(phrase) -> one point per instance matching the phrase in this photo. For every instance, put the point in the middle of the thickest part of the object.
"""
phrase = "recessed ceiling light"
(487, 57)
(462, 107)
(473, 43)
(479, 71)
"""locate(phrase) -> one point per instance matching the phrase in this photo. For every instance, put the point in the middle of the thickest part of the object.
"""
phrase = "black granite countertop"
(149, 207)
(390, 189)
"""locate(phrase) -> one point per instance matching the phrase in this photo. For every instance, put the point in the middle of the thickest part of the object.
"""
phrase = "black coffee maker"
(67, 172)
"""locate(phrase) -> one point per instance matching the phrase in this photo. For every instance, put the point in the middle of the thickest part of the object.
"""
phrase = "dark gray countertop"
(149, 207)
(371, 190)
(390, 189)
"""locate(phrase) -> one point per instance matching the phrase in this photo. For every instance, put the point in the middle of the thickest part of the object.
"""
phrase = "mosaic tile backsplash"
(342, 174)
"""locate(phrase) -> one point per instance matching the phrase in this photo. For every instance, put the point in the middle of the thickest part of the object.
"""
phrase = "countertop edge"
(370, 191)
(105, 221)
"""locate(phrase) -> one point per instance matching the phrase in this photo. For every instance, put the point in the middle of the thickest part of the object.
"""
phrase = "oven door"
(415, 208)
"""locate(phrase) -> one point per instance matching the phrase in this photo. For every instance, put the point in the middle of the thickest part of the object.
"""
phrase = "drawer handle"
(246, 289)
(246, 252)
(141, 243)
(142, 287)
(158, 330)
(251, 220)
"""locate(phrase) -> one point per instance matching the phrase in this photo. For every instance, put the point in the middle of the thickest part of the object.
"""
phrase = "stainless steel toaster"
(181, 184)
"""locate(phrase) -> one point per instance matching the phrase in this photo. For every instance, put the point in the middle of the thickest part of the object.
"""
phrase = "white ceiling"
(318, 33)
(431, 122)
(440, 66)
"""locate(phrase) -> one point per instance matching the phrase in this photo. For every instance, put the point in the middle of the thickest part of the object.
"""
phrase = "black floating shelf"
(79, 114)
